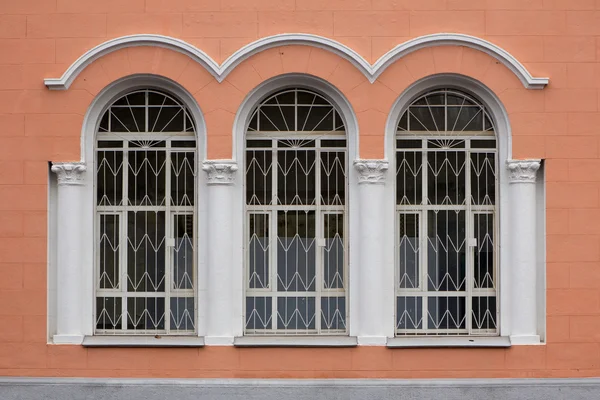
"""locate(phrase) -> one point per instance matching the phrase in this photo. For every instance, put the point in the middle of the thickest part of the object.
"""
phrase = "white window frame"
(503, 212)
(86, 242)
(239, 217)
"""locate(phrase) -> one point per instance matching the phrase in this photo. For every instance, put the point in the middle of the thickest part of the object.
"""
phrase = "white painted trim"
(67, 339)
(142, 341)
(295, 341)
(220, 72)
(85, 242)
(240, 125)
(523, 340)
(449, 341)
(507, 225)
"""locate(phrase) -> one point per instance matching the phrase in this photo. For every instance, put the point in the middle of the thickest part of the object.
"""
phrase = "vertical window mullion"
(320, 238)
(169, 236)
(124, 237)
(470, 237)
(424, 244)
(274, 236)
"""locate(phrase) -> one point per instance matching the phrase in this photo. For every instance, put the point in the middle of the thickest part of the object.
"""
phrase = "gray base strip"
(250, 389)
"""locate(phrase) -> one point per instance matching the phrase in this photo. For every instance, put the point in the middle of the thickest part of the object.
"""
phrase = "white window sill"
(142, 341)
(295, 341)
(446, 341)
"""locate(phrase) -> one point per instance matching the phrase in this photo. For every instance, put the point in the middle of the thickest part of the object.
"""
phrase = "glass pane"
(446, 250)
(484, 252)
(403, 124)
(446, 181)
(409, 312)
(127, 119)
(109, 179)
(408, 256)
(165, 119)
(109, 251)
(484, 313)
(160, 99)
(183, 178)
(182, 313)
(409, 177)
(295, 313)
(315, 118)
(430, 119)
(259, 182)
(259, 312)
(146, 251)
(446, 313)
(310, 98)
(183, 252)
(465, 119)
(333, 313)
(277, 118)
(147, 178)
(483, 178)
(108, 313)
(333, 178)
(132, 99)
(333, 252)
(146, 313)
(296, 177)
(296, 251)
(258, 251)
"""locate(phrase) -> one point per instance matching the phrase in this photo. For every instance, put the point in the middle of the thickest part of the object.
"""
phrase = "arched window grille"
(145, 216)
(296, 274)
(446, 217)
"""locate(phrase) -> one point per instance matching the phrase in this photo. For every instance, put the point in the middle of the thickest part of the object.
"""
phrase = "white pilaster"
(221, 274)
(69, 263)
(372, 319)
(523, 309)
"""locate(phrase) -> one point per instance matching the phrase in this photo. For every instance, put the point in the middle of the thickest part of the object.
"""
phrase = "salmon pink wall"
(561, 124)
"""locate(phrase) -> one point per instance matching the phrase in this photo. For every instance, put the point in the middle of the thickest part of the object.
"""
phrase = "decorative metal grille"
(296, 246)
(446, 249)
(145, 216)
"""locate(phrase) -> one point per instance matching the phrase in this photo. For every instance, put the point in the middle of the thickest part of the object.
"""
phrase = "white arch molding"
(371, 71)
(83, 216)
(242, 119)
(511, 227)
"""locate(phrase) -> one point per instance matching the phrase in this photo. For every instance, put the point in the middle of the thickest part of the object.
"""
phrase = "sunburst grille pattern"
(145, 213)
(446, 185)
(296, 275)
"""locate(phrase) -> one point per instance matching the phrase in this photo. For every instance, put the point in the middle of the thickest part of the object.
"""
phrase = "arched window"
(145, 187)
(446, 217)
(296, 221)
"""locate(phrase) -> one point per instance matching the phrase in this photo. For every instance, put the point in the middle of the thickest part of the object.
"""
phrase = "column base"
(218, 340)
(372, 340)
(67, 339)
(525, 340)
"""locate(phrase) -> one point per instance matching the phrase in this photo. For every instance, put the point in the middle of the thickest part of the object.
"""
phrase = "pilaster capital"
(69, 173)
(371, 171)
(522, 171)
(220, 172)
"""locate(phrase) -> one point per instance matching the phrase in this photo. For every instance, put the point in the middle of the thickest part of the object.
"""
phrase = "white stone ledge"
(67, 339)
(295, 341)
(445, 341)
(142, 341)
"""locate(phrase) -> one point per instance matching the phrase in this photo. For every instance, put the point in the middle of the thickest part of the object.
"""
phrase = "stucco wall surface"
(559, 39)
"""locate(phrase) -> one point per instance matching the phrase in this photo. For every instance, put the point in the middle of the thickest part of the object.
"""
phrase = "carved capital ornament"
(69, 173)
(371, 171)
(522, 171)
(220, 172)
